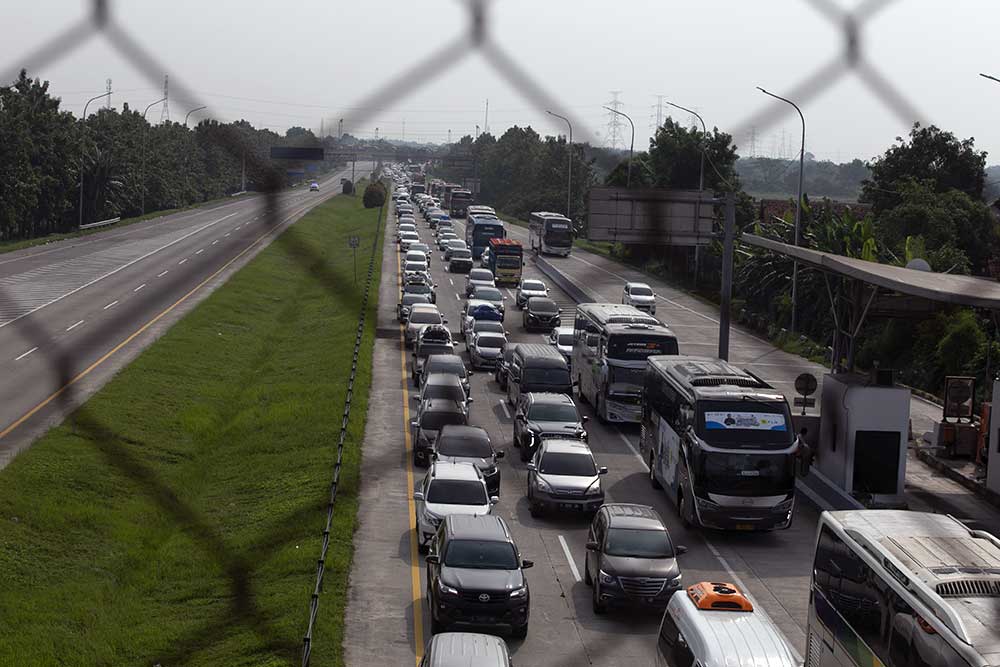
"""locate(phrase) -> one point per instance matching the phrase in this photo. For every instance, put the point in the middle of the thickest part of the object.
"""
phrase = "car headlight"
(607, 579)
(676, 581)
(784, 505)
(595, 490)
(519, 592)
(431, 518)
(706, 505)
(543, 485)
(489, 472)
(445, 589)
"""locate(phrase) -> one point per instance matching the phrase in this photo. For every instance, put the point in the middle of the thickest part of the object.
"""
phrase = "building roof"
(941, 287)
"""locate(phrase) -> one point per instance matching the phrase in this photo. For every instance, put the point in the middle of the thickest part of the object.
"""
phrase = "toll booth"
(864, 431)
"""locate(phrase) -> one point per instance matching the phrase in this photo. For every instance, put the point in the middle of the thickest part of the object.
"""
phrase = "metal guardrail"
(345, 419)
(102, 223)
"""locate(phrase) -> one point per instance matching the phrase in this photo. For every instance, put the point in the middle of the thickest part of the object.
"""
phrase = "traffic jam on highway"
(581, 442)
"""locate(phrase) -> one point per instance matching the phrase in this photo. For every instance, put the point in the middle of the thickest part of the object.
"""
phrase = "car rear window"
(565, 463)
(458, 446)
(481, 555)
(457, 492)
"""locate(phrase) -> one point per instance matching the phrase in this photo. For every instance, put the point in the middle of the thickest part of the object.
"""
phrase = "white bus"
(550, 233)
(903, 589)
(611, 342)
(719, 441)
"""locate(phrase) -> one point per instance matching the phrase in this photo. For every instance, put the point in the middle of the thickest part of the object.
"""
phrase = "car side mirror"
(470, 400)
(415, 399)
(560, 311)
(603, 470)
(418, 495)
(531, 466)
(592, 545)
(680, 549)
(433, 559)
(494, 500)
(575, 383)
(584, 419)
(525, 564)
(414, 425)
(499, 455)
(444, 320)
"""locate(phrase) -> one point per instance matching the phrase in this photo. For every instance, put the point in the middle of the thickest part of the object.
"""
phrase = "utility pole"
(83, 119)
(727, 275)
(404, 130)
(321, 130)
(477, 131)
(142, 172)
(798, 206)
(243, 177)
(340, 128)
(486, 118)
(614, 123)
(449, 136)
(631, 150)
(165, 112)
(108, 93)
(657, 114)
(188, 114)
(569, 162)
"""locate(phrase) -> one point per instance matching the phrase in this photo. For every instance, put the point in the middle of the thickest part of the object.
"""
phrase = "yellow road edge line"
(417, 595)
(84, 373)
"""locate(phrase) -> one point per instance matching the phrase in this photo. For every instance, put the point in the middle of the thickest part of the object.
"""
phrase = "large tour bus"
(460, 200)
(446, 191)
(436, 188)
(506, 261)
(720, 442)
(903, 589)
(479, 230)
(610, 344)
(550, 233)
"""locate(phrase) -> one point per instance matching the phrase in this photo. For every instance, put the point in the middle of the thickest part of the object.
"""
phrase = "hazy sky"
(293, 63)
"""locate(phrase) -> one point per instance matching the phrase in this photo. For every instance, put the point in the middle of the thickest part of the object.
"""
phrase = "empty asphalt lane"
(88, 317)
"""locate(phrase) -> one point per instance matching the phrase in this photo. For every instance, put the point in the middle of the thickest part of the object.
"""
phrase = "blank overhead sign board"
(650, 217)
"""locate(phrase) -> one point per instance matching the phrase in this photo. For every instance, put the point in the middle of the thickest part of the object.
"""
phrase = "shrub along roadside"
(190, 537)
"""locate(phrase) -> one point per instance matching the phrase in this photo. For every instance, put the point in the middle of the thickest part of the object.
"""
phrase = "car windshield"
(565, 339)
(422, 247)
(457, 492)
(488, 325)
(543, 305)
(639, 543)
(461, 254)
(433, 420)
(641, 291)
(415, 266)
(498, 342)
(418, 289)
(456, 244)
(553, 412)
(481, 274)
(458, 446)
(450, 365)
(533, 286)
(427, 349)
(452, 392)
(488, 294)
(564, 463)
(426, 317)
(481, 555)
(735, 474)
(547, 376)
(410, 299)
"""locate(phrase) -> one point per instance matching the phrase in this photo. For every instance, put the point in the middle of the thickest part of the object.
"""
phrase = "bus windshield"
(483, 233)
(735, 474)
(745, 424)
(558, 233)
(637, 346)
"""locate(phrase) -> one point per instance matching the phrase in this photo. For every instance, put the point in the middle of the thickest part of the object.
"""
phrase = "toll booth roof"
(940, 287)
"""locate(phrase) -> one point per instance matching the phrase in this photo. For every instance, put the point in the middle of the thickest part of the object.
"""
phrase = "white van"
(713, 624)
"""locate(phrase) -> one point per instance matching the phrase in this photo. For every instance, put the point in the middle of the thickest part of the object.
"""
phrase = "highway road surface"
(74, 312)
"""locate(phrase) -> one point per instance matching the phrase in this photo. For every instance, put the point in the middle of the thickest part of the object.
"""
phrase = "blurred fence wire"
(476, 37)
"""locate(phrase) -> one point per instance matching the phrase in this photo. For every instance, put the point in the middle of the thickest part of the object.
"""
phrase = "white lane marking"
(569, 559)
(509, 293)
(25, 354)
(503, 405)
(114, 271)
(457, 297)
(198, 252)
(160, 275)
(628, 443)
(182, 261)
(228, 233)
(735, 578)
(139, 287)
(73, 326)
(111, 305)
(451, 281)
(215, 241)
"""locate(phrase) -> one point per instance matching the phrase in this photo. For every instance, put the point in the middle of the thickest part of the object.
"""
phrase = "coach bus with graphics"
(550, 233)
(479, 229)
(719, 441)
(610, 344)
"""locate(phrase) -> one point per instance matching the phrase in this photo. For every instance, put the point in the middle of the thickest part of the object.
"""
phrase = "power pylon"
(108, 103)
(656, 117)
(165, 113)
(614, 120)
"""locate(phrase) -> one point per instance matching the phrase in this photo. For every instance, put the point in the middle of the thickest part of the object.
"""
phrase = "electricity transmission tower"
(108, 105)
(656, 118)
(165, 113)
(614, 120)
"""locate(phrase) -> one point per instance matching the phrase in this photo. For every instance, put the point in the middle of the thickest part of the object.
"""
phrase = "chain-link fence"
(476, 38)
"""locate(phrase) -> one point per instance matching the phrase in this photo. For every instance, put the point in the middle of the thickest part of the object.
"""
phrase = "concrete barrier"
(102, 223)
(563, 282)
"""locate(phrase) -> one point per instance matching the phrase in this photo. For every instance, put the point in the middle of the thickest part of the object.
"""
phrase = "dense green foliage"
(772, 177)
(375, 195)
(186, 531)
(129, 166)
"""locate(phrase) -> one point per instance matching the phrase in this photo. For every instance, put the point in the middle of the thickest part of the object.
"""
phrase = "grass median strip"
(184, 529)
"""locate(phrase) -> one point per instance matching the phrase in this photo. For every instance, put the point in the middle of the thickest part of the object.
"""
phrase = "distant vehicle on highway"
(450, 648)
(491, 295)
(443, 385)
(475, 575)
(459, 261)
(641, 296)
(506, 260)
(453, 245)
(421, 316)
(449, 488)
(314, 187)
(478, 277)
(541, 312)
(537, 367)
(528, 288)
(470, 444)
(630, 558)
(449, 363)
(539, 415)
(562, 339)
(478, 310)
(550, 233)
(417, 286)
(432, 339)
(431, 417)
(485, 349)
(406, 302)
(563, 476)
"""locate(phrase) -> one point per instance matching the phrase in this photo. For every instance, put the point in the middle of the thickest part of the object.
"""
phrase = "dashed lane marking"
(503, 406)
(111, 305)
(569, 558)
(73, 326)
(198, 252)
(25, 354)
(139, 287)
(182, 261)
(160, 275)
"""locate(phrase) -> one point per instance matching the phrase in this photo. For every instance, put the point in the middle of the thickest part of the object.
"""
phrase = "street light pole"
(83, 121)
(631, 148)
(991, 78)
(142, 171)
(569, 162)
(191, 112)
(704, 134)
(798, 204)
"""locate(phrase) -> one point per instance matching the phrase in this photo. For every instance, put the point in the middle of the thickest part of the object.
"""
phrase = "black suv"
(475, 576)
(541, 313)
(544, 414)
(630, 557)
(470, 444)
(431, 417)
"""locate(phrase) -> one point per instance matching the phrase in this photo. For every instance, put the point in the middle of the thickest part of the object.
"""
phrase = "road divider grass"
(184, 529)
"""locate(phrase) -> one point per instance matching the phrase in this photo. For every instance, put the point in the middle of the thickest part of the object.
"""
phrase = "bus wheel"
(682, 509)
(655, 483)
